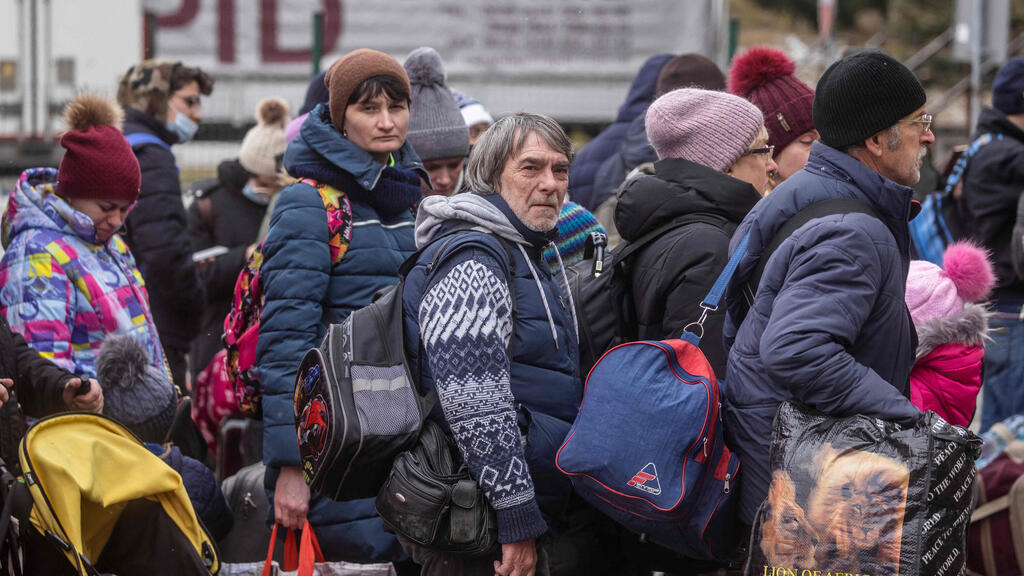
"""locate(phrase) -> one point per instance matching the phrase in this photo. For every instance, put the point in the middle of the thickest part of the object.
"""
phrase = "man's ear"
(875, 145)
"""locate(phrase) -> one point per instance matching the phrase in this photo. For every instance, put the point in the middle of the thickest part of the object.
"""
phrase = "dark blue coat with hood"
(586, 164)
(305, 290)
(829, 326)
(635, 150)
(156, 231)
(993, 185)
(544, 363)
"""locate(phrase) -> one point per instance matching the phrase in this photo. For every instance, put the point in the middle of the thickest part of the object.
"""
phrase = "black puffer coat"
(38, 386)
(156, 233)
(992, 187)
(673, 274)
(235, 225)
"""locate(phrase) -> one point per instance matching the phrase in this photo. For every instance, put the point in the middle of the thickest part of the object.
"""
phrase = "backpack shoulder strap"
(714, 297)
(627, 249)
(337, 209)
(795, 222)
(957, 174)
(137, 139)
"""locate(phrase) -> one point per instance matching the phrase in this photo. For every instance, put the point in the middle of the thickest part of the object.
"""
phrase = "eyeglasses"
(191, 101)
(925, 121)
(760, 151)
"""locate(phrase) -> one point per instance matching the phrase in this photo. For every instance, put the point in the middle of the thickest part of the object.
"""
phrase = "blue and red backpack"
(647, 447)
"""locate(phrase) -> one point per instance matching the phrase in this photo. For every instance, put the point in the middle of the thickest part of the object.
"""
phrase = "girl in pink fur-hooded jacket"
(951, 329)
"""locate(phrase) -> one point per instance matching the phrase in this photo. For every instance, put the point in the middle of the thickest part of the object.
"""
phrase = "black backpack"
(600, 287)
(356, 405)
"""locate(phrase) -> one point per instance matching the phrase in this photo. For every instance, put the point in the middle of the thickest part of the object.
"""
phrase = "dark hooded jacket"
(992, 186)
(311, 279)
(156, 231)
(636, 149)
(829, 326)
(38, 389)
(203, 490)
(588, 161)
(235, 225)
(672, 275)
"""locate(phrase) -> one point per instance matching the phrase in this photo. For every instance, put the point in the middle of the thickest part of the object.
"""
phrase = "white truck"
(571, 59)
(49, 50)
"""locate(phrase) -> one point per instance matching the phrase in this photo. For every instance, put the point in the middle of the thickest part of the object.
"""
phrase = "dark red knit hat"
(764, 76)
(99, 162)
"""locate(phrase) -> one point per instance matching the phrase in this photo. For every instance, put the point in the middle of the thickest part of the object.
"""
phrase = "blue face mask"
(256, 197)
(183, 127)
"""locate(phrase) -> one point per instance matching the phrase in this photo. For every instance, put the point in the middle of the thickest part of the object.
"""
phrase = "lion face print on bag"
(859, 496)
(787, 537)
(857, 508)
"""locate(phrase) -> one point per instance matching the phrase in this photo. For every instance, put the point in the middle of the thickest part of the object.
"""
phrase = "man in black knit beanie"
(827, 325)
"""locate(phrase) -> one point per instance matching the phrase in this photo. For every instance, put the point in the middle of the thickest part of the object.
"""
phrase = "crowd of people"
(385, 159)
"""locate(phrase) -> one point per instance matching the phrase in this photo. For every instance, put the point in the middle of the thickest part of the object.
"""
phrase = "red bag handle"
(309, 551)
(268, 563)
(302, 557)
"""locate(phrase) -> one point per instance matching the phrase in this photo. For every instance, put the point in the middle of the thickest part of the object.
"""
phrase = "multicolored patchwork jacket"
(59, 288)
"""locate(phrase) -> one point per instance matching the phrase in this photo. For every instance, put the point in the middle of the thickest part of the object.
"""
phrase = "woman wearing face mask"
(162, 106)
(227, 212)
(336, 236)
(68, 279)
(765, 76)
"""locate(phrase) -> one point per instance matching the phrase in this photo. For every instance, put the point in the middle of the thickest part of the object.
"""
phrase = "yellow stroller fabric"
(82, 470)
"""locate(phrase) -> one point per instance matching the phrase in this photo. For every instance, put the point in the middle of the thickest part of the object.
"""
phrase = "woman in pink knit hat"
(951, 329)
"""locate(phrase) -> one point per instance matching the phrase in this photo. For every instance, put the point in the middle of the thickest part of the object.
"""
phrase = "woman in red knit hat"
(765, 76)
(68, 279)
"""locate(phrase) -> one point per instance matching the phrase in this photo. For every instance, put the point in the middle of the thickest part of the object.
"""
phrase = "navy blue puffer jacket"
(829, 326)
(305, 289)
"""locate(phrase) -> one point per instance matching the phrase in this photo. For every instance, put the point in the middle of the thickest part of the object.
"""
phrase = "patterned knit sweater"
(465, 324)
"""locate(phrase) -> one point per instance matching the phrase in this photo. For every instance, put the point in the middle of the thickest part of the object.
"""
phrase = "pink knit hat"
(933, 292)
(703, 126)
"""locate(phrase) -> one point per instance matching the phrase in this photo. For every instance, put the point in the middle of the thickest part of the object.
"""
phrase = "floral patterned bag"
(242, 324)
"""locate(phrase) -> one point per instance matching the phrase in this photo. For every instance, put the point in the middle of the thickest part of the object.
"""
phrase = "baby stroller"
(95, 501)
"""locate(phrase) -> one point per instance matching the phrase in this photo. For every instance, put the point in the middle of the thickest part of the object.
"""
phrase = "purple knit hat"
(703, 126)
(765, 76)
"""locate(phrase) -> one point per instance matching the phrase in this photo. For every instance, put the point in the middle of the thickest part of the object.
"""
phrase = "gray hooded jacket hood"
(473, 212)
(471, 209)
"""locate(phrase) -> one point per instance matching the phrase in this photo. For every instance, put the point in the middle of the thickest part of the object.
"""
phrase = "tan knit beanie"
(265, 143)
(349, 71)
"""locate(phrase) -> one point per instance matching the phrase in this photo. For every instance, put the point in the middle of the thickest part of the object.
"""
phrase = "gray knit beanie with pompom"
(136, 393)
(436, 128)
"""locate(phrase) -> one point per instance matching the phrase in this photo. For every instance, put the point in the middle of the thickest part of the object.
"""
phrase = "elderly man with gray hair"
(489, 327)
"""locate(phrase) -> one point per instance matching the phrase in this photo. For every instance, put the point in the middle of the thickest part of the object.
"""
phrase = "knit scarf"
(397, 190)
